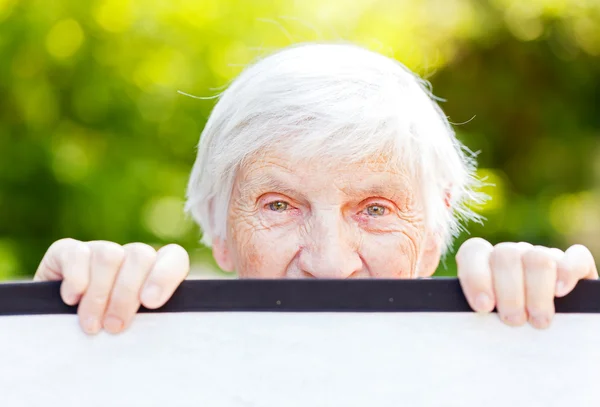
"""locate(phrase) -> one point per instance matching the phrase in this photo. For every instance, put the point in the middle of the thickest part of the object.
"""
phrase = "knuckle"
(176, 249)
(108, 253)
(577, 262)
(507, 246)
(140, 252)
(581, 252)
(72, 249)
(538, 259)
(557, 254)
(524, 246)
(65, 242)
(473, 245)
(183, 259)
(505, 254)
(580, 247)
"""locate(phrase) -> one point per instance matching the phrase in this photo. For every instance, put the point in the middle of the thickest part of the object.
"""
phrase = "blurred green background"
(97, 143)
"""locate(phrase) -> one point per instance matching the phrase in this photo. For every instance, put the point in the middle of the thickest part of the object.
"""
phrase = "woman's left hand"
(519, 279)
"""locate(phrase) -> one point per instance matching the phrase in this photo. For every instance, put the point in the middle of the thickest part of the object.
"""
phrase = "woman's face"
(307, 220)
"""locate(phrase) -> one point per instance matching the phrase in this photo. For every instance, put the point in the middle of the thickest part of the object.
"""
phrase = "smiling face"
(312, 219)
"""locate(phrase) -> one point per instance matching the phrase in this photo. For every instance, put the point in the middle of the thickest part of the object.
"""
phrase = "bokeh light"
(97, 141)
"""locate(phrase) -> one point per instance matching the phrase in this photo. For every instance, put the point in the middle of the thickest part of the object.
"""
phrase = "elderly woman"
(323, 161)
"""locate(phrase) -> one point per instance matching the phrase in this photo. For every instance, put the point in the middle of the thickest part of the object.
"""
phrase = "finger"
(170, 269)
(105, 262)
(124, 299)
(509, 285)
(556, 254)
(577, 264)
(67, 260)
(475, 275)
(540, 282)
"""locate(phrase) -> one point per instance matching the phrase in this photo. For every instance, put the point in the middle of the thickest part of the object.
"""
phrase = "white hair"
(332, 101)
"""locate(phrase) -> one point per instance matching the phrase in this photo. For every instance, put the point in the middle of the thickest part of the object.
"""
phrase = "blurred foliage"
(96, 142)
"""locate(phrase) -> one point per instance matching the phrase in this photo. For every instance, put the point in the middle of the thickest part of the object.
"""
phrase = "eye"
(278, 206)
(376, 210)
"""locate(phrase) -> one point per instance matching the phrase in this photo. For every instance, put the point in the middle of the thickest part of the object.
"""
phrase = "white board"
(283, 358)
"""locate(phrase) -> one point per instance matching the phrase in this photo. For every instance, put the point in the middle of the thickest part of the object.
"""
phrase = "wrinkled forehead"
(285, 158)
(373, 174)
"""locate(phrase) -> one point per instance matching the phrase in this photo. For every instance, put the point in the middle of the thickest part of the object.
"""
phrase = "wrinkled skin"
(308, 221)
(361, 221)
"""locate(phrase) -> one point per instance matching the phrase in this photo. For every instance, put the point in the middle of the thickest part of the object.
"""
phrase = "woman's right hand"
(110, 281)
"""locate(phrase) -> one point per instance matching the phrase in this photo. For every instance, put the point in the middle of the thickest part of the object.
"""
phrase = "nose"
(330, 251)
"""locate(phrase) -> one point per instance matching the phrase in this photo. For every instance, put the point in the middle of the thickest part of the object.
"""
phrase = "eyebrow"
(394, 190)
(390, 190)
(270, 183)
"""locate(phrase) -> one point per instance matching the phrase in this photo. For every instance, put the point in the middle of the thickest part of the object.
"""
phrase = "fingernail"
(482, 302)
(540, 322)
(113, 324)
(91, 325)
(514, 319)
(151, 294)
(560, 287)
(70, 298)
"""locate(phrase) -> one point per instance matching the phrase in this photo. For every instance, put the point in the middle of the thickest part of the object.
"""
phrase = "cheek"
(264, 252)
(391, 255)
